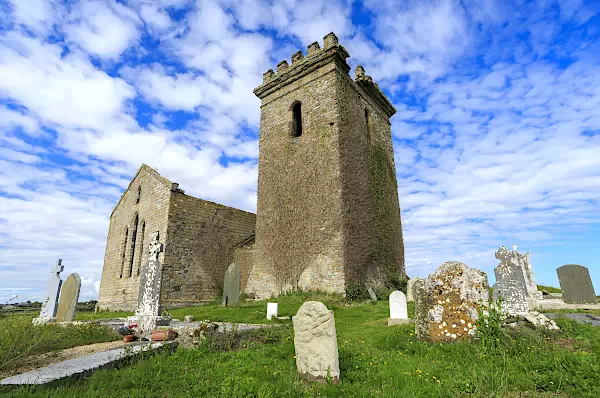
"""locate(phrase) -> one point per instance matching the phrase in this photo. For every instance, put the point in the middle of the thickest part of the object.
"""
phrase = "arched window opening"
(369, 123)
(141, 254)
(139, 195)
(124, 251)
(296, 119)
(133, 237)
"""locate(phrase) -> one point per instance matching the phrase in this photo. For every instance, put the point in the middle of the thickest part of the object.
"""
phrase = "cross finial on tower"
(515, 247)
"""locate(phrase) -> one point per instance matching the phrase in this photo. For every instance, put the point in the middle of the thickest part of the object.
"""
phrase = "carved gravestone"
(148, 310)
(315, 342)
(453, 295)
(372, 294)
(517, 266)
(409, 289)
(514, 296)
(69, 295)
(398, 309)
(50, 303)
(421, 310)
(231, 286)
(576, 284)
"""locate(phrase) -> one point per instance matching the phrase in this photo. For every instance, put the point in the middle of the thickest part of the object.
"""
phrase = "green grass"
(19, 339)
(549, 289)
(375, 361)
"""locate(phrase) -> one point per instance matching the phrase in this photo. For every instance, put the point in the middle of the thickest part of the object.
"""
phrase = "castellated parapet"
(328, 210)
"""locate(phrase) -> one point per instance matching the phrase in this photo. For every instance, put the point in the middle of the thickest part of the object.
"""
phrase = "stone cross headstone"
(271, 310)
(372, 294)
(576, 284)
(421, 310)
(148, 310)
(315, 342)
(453, 295)
(409, 289)
(517, 266)
(69, 295)
(398, 309)
(231, 286)
(50, 303)
(514, 297)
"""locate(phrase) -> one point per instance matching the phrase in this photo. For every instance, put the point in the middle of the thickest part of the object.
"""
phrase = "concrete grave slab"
(81, 365)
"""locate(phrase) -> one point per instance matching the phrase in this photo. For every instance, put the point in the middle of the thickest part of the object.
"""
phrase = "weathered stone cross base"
(397, 321)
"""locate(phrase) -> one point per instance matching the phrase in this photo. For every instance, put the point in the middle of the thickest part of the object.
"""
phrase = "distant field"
(549, 289)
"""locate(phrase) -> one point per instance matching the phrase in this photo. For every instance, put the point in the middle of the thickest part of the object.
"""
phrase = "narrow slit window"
(139, 262)
(124, 251)
(297, 119)
(369, 123)
(139, 195)
(133, 237)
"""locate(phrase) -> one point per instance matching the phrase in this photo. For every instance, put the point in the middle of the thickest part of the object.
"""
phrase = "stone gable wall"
(202, 236)
(118, 291)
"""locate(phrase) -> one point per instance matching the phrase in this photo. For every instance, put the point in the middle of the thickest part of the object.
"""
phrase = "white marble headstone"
(50, 303)
(398, 308)
(271, 310)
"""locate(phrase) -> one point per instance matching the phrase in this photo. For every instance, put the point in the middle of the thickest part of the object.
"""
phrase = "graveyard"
(374, 359)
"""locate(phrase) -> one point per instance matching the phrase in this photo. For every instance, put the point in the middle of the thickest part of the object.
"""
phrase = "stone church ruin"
(328, 215)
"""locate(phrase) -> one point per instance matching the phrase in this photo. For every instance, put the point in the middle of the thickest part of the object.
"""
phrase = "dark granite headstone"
(231, 286)
(576, 284)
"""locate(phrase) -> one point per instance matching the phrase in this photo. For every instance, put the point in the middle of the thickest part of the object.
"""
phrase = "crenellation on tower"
(372, 89)
(297, 57)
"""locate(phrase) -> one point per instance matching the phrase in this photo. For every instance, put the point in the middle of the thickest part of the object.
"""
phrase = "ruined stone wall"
(202, 236)
(299, 229)
(119, 285)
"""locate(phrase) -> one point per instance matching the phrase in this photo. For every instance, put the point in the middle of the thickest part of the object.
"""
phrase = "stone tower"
(328, 211)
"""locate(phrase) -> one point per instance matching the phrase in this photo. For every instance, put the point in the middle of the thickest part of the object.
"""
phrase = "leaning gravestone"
(148, 310)
(69, 295)
(576, 284)
(451, 300)
(315, 342)
(398, 310)
(517, 266)
(372, 294)
(514, 296)
(50, 303)
(231, 286)
(409, 289)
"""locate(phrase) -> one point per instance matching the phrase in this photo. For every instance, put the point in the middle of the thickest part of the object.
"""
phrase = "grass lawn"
(375, 361)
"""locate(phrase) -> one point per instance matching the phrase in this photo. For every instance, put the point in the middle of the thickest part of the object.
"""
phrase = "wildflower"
(356, 366)
(438, 381)
(418, 371)
(274, 373)
(294, 357)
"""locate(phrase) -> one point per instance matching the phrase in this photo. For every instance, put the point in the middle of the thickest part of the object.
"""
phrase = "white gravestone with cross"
(148, 310)
(50, 303)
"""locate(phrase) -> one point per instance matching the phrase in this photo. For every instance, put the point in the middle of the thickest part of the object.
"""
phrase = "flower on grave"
(125, 330)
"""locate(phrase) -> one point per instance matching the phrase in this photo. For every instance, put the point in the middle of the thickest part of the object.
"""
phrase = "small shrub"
(490, 332)
(356, 293)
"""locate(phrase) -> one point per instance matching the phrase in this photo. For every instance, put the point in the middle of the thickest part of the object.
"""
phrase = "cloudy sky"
(496, 137)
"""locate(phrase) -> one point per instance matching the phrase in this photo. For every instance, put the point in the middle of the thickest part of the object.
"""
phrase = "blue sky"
(496, 137)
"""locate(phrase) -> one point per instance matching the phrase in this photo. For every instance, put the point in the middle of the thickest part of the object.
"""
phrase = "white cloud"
(103, 28)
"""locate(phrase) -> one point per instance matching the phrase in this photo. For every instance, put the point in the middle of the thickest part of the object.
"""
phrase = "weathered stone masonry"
(328, 208)
(199, 236)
